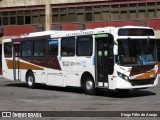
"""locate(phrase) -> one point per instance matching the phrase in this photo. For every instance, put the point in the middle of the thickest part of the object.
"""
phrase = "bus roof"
(57, 33)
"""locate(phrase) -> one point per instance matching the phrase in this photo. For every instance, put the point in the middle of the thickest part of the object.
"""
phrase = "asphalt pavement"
(15, 96)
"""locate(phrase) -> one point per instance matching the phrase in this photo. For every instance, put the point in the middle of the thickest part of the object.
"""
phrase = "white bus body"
(110, 57)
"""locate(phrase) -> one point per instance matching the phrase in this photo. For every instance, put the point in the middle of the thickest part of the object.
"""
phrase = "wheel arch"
(83, 77)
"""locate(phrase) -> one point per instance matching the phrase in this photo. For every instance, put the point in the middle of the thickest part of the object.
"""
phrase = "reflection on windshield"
(136, 52)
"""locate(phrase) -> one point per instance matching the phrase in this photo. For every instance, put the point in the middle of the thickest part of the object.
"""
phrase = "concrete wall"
(14, 3)
(157, 33)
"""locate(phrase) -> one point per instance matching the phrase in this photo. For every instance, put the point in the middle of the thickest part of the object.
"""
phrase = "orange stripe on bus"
(22, 65)
(148, 75)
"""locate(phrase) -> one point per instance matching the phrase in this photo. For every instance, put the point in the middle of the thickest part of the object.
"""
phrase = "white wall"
(157, 32)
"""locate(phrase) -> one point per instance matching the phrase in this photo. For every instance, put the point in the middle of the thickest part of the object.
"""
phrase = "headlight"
(122, 76)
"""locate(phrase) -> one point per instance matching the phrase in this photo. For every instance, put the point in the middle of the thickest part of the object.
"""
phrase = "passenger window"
(68, 46)
(26, 49)
(53, 48)
(84, 46)
(39, 48)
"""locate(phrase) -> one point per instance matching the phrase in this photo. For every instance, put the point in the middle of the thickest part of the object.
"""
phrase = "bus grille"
(142, 82)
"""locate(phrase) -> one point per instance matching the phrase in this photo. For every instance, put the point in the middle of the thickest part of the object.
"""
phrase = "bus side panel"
(74, 67)
(7, 73)
(37, 75)
(73, 79)
(44, 76)
(69, 71)
(23, 75)
(113, 80)
(55, 78)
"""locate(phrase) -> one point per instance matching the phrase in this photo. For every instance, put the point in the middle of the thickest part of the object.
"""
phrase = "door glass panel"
(17, 50)
(102, 54)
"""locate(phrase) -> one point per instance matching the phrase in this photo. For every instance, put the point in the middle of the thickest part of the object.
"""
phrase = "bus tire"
(89, 86)
(30, 80)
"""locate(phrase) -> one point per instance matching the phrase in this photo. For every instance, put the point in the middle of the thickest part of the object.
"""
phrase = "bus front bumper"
(130, 84)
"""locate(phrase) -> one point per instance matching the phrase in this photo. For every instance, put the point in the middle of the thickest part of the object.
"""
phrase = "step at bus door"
(104, 58)
(16, 63)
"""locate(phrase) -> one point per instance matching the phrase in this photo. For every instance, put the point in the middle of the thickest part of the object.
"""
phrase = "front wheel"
(89, 86)
(30, 80)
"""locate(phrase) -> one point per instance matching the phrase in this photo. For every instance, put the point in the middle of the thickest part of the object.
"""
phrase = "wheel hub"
(30, 80)
(89, 85)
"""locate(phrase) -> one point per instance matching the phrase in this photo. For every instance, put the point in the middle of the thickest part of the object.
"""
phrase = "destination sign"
(135, 32)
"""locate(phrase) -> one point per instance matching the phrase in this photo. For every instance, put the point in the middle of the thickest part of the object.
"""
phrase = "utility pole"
(48, 15)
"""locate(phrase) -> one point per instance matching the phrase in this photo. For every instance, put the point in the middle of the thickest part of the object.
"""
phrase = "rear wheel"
(30, 80)
(89, 86)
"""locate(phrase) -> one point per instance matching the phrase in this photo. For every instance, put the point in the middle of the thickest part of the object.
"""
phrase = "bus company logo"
(6, 114)
(75, 63)
(66, 63)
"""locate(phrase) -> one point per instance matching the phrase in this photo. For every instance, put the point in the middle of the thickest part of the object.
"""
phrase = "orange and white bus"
(122, 58)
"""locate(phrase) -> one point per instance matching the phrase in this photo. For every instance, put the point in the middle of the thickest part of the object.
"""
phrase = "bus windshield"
(135, 52)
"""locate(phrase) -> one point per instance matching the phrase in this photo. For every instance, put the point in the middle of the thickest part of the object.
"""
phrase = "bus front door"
(16, 65)
(104, 58)
(102, 54)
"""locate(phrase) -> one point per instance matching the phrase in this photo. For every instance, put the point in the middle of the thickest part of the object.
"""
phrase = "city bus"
(117, 58)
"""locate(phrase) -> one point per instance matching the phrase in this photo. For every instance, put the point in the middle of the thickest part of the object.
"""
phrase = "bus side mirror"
(115, 50)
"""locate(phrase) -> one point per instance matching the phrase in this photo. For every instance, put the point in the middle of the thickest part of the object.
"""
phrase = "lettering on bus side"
(75, 63)
(81, 33)
(69, 63)
(66, 63)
